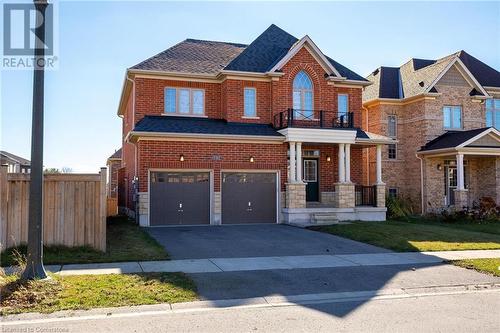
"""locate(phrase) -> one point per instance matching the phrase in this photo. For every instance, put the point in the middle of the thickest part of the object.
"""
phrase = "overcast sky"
(99, 40)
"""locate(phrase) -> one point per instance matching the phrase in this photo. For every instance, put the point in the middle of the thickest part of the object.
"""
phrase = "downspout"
(367, 152)
(135, 180)
(421, 183)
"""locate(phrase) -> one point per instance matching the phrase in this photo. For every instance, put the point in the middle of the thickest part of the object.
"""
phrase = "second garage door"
(248, 197)
(180, 198)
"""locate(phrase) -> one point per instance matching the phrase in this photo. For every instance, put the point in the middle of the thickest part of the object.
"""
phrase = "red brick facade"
(224, 100)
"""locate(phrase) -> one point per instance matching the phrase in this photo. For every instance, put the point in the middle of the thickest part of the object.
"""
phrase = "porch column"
(292, 178)
(299, 162)
(341, 163)
(348, 163)
(460, 172)
(379, 164)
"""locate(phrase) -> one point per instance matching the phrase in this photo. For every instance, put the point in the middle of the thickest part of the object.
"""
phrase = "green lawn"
(491, 266)
(93, 291)
(125, 242)
(418, 236)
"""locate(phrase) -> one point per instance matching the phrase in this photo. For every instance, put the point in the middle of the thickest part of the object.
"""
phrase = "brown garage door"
(248, 197)
(180, 198)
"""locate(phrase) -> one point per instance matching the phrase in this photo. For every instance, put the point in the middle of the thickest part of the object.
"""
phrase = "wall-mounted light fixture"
(181, 158)
(328, 158)
(252, 159)
(439, 167)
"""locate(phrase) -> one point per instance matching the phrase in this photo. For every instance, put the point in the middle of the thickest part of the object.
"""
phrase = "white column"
(341, 163)
(292, 163)
(379, 164)
(299, 162)
(460, 172)
(348, 162)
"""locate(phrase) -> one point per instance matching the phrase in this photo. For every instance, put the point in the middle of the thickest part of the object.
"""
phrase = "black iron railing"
(365, 195)
(313, 119)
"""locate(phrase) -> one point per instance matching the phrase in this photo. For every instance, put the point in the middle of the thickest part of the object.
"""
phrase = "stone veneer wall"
(344, 197)
(295, 195)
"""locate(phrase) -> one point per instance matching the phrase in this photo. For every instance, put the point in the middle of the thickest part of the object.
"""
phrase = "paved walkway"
(213, 265)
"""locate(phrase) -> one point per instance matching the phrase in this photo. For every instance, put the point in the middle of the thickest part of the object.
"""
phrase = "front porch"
(325, 177)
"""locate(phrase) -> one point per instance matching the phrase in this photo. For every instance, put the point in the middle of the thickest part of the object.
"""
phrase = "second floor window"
(184, 101)
(391, 126)
(452, 117)
(493, 113)
(249, 102)
(343, 105)
(303, 96)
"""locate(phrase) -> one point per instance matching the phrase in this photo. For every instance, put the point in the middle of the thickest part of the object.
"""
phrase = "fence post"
(102, 212)
(3, 207)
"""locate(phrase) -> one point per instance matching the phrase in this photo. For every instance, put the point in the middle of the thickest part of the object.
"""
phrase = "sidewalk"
(213, 265)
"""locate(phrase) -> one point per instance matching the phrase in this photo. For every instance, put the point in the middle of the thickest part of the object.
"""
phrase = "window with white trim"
(249, 97)
(185, 101)
(493, 113)
(393, 192)
(343, 105)
(392, 151)
(303, 96)
(452, 117)
(391, 126)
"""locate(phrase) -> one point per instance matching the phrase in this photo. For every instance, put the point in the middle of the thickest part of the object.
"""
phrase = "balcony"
(312, 119)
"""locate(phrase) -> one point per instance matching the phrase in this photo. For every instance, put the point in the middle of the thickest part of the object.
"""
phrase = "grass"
(93, 291)
(488, 227)
(418, 236)
(125, 241)
(490, 266)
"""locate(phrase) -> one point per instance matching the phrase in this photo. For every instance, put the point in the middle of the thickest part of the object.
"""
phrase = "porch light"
(181, 158)
(252, 159)
(439, 167)
(328, 158)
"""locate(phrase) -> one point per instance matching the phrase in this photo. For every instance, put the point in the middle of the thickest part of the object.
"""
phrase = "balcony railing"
(365, 195)
(313, 119)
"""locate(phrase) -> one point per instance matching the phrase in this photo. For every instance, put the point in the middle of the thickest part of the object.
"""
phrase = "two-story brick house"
(445, 114)
(222, 133)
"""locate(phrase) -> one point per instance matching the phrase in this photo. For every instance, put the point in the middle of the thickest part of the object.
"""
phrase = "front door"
(450, 174)
(311, 177)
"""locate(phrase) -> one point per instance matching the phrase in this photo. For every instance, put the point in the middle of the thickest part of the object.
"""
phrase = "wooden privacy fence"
(74, 210)
(112, 206)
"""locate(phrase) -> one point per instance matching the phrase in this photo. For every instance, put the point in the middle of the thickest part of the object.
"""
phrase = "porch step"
(324, 218)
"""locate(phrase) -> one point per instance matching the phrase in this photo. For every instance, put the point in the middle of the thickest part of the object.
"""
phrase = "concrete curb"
(260, 302)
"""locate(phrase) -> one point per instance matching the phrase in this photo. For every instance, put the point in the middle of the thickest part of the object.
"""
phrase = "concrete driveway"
(264, 240)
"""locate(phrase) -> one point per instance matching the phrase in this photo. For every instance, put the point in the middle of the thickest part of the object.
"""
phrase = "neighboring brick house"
(443, 114)
(222, 133)
(114, 163)
(15, 164)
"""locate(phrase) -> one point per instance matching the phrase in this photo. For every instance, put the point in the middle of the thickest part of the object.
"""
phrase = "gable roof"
(6, 156)
(117, 155)
(452, 139)
(194, 56)
(173, 124)
(419, 76)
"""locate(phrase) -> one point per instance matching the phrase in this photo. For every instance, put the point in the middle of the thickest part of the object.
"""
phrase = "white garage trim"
(211, 175)
(278, 185)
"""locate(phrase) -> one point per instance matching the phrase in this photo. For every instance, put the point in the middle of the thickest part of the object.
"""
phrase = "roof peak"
(194, 40)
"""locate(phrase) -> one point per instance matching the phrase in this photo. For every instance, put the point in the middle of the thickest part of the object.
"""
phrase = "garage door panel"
(179, 198)
(248, 198)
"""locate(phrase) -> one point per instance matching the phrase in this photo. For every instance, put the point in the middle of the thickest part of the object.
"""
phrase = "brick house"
(223, 133)
(114, 163)
(445, 114)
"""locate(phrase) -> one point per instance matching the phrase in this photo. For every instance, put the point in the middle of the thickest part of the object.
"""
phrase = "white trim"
(480, 135)
(317, 135)
(254, 103)
(278, 187)
(296, 48)
(202, 137)
(211, 185)
(191, 112)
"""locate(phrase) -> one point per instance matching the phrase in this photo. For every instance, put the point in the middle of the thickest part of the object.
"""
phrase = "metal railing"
(365, 195)
(313, 119)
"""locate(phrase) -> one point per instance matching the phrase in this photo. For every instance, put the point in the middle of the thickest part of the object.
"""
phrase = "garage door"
(180, 198)
(248, 197)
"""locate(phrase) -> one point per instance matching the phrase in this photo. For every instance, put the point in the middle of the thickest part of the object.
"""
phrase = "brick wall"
(112, 186)
(231, 156)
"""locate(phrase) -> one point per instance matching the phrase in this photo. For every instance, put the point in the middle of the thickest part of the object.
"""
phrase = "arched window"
(303, 95)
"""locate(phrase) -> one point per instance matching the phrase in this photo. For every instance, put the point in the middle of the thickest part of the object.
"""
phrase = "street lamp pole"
(34, 263)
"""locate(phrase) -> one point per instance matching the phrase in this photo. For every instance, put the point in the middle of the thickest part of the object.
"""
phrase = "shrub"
(398, 207)
(484, 210)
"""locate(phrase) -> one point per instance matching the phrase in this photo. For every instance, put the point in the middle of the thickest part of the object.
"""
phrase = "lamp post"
(34, 263)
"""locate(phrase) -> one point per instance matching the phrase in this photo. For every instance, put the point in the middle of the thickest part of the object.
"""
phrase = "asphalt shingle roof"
(193, 56)
(418, 74)
(173, 124)
(117, 154)
(451, 139)
(6, 156)
(209, 57)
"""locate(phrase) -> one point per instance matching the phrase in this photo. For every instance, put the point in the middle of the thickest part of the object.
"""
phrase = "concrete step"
(325, 218)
